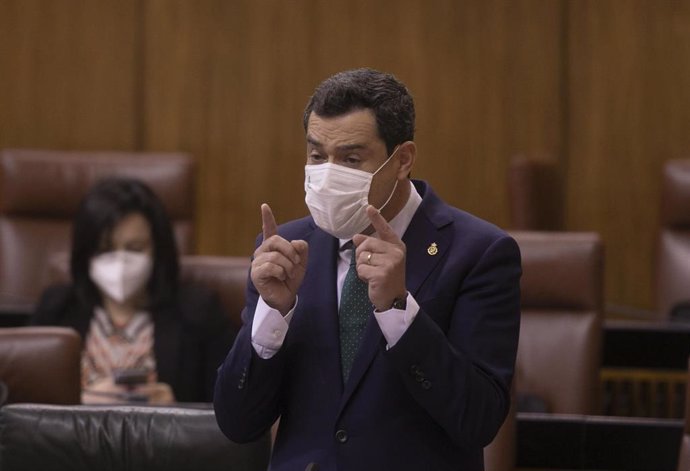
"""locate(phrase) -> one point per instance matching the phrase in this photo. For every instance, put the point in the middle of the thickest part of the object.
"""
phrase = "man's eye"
(316, 157)
(352, 159)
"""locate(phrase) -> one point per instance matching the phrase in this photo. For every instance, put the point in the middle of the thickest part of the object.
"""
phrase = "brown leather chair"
(684, 455)
(535, 193)
(673, 245)
(559, 354)
(227, 276)
(41, 364)
(39, 194)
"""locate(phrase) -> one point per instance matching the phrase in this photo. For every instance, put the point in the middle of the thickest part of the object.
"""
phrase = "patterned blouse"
(110, 347)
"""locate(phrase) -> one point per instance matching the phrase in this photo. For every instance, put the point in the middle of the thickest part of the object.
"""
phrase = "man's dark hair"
(357, 89)
(106, 204)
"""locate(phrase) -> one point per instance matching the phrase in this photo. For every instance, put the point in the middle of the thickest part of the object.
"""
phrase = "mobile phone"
(131, 376)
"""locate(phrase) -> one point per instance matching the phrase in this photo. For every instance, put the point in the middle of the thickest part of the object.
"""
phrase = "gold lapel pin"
(433, 249)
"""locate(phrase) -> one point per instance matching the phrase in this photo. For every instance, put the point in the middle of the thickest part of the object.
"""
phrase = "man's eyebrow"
(349, 147)
(313, 142)
(340, 148)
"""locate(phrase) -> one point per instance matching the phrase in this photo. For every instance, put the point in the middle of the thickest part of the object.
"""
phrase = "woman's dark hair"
(106, 204)
(382, 93)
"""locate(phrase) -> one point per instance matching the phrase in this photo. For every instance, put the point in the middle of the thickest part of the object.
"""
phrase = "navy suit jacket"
(433, 401)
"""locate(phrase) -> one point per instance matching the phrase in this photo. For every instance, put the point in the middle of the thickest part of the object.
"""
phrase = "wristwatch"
(400, 303)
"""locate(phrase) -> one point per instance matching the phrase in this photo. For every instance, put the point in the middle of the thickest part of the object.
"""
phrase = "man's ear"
(407, 153)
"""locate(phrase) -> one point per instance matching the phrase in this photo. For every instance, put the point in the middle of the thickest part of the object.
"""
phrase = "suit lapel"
(426, 245)
(321, 304)
(371, 342)
(424, 230)
(321, 272)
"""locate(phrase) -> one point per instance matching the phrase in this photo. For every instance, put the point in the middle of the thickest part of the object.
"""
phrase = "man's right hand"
(279, 265)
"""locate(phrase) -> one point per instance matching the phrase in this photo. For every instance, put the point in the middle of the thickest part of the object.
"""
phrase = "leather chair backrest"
(114, 437)
(559, 353)
(673, 245)
(535, 193)
(227, 276)
(40, 191)
(41, 364)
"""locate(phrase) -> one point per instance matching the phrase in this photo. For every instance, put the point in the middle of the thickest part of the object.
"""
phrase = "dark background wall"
(602, 86)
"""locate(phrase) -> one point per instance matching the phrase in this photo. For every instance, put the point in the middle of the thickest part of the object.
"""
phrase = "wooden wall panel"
(629, 102)
(492, 88)
(599, 85)
(228, 81)
(68, 74)
(223, 82)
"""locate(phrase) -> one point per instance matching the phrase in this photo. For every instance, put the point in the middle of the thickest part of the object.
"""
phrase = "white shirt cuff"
(269, 328)
(394, 322)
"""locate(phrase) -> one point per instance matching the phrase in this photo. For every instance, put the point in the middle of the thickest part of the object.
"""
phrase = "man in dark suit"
(382, 330)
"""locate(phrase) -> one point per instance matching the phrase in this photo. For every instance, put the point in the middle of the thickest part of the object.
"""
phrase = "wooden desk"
(642, 344)
(644, 368)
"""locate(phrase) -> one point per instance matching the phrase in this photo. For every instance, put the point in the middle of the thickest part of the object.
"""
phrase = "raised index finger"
(268, 222)
(383, 229)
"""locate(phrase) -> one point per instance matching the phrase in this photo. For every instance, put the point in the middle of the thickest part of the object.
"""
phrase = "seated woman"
(147, 337)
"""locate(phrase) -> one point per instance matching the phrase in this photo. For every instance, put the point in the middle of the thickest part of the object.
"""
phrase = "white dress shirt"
(270, 327)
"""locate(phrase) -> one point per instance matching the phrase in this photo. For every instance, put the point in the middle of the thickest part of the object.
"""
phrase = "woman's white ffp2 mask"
(121, 273)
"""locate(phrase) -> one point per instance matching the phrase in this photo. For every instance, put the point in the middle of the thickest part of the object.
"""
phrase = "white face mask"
(121, 274)
(337, 197)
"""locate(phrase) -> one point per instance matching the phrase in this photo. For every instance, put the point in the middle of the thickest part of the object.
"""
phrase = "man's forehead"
(354, 129)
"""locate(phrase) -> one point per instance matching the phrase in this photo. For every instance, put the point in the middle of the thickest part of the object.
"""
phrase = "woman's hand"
(105, 391)
(157, 393)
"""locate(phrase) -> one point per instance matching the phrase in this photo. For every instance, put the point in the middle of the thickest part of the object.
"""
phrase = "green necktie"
(355, 309)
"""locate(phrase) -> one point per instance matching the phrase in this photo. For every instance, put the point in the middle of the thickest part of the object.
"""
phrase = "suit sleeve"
(247, 392)
(462, 376)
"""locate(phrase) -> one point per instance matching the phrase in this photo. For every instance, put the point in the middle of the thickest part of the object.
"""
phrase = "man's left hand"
(381, 262)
